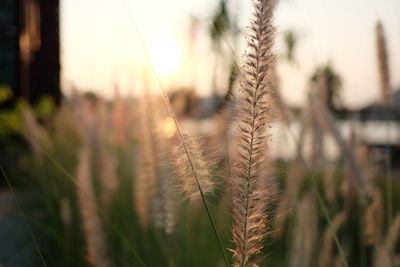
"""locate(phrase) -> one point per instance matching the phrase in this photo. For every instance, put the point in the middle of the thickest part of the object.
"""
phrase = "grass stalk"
(249, 191)
(384, 83)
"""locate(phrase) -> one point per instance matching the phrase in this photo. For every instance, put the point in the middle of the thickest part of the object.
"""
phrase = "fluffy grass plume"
(119, 118)
(184, 180)
(94, 234)
(146, 170)
(305, 231)
(164, 208)
(162, 199)
(107, 170)
(316, 156)
(383, 64)
(249, 190)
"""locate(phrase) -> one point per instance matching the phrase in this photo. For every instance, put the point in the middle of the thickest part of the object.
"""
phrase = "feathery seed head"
(94, 234)
(383, 64)
(184, 173)
(249, 189)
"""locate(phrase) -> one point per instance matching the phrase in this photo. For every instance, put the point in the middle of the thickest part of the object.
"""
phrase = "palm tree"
(223, 27)
(290, 38)
(333, 84)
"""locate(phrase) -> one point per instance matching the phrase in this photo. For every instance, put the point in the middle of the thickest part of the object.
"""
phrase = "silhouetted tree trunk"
(45, 66)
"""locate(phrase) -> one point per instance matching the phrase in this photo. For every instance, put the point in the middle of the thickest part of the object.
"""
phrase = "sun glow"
(165, 57)
(167, 127)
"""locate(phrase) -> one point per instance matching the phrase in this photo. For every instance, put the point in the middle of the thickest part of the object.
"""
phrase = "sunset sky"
(101, 47)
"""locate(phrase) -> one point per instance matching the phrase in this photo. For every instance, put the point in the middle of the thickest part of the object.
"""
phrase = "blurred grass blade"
(23, 216)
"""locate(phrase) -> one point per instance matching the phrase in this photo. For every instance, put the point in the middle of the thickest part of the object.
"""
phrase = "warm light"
(167, 127)
(165, 57)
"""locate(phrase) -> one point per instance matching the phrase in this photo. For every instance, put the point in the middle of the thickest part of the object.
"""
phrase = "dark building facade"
(30, 49)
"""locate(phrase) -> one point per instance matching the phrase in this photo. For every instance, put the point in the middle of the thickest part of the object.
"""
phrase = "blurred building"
(380, 128)
(382, 112)
(29, 50)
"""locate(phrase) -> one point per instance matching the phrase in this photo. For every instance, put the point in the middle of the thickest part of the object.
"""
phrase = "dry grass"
(249, 191)
(134, 167)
